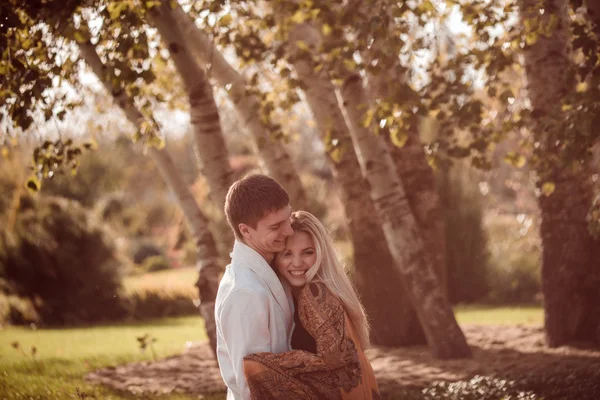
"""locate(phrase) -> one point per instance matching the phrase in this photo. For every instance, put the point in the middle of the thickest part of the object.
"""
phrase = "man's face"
(271, 231)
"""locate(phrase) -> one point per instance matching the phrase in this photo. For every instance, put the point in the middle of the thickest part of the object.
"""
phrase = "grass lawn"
(475, 314)
(64, 356)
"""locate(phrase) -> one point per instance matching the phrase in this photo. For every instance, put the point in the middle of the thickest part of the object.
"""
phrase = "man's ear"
(244, 230)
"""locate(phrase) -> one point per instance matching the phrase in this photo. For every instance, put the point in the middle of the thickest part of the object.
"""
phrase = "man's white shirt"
(253, 313)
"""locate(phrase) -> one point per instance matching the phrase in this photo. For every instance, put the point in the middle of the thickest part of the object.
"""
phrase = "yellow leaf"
(79, 37)
(5, 152)
(336, 154)
(33, 184)
(150, 4)
(368, 118)
(115, 9)
(582, 87)
(225, 20)
(431, 161)
(548, 188)
(349, 64)
(319, 67)
(326, 29)
(531, 38)
(26, 44)
(514, 159)
(301, 44)
(398, 138)
(566, 107)
(299, 17)
(520, 161)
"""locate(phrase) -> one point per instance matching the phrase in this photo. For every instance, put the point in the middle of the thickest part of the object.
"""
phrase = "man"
(253, 312)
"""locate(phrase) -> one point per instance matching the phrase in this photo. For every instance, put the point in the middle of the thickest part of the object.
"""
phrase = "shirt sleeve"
(245, 330)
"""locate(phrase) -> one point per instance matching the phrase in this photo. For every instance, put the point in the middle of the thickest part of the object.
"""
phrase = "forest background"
(450, 147)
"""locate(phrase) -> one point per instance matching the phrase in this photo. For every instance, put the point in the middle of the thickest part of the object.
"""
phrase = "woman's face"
(297, 257)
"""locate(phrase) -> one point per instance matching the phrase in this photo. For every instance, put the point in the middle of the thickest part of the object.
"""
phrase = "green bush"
(150, 303)
(17, 311)
(156, 263)
(56, 253)
(514, 273)
(140, 250)
(466, 239)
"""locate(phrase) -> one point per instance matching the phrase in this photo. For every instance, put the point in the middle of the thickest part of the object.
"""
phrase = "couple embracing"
(289, 323)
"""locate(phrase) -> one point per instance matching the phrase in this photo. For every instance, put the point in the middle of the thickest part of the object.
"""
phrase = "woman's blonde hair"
(329, 270)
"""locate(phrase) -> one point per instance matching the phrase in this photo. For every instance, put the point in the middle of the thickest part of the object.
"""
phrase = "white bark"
(374, 276)
(209, 269)
(273, 156)
(420, 184)
(444, 336)
(208, 138)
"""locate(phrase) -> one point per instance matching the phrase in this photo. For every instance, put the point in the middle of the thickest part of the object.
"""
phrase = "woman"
(334, 321)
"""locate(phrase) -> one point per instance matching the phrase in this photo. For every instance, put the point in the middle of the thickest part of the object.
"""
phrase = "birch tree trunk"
(208, 138)
(208, 266)
(273, 156)
(570, 273)
(420, 185)
(444, 336)
(375, 278)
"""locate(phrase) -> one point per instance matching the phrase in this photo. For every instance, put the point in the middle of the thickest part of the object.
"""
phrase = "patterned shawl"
(339, 370)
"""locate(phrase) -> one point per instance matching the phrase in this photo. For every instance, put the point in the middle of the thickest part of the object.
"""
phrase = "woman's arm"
(303, 375)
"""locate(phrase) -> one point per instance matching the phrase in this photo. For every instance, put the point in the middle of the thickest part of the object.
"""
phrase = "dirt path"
(505, 352)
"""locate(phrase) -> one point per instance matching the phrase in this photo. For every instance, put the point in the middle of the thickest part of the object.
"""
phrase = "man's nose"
(288, 231)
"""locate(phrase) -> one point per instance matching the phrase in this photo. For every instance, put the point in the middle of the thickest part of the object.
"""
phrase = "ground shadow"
(513, 353)
(510, 353)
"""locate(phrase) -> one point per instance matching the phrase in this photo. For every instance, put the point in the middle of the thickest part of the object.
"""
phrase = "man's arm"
(245, 329)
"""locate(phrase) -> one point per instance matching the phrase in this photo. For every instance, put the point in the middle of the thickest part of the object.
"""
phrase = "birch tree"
(570, 276)
(204, 115)
(60, 23)
(272, 155)
(376, 281)
(208, 264)
(444, 336)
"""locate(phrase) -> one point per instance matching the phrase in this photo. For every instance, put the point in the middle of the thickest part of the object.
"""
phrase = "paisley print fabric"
(339, 370)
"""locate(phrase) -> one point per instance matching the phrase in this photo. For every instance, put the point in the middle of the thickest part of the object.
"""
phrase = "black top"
(301, 339)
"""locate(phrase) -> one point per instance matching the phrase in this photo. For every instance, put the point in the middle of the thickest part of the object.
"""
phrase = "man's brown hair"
(251, 198)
